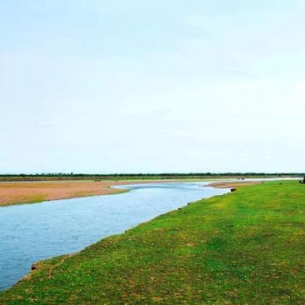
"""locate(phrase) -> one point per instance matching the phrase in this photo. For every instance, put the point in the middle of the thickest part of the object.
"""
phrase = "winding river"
(33, 232)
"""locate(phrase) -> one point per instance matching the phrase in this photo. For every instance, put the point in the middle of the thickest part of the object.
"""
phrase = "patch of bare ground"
(233, 184)
(32, 192)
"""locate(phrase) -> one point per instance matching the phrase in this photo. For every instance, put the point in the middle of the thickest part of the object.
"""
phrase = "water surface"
(32, 232)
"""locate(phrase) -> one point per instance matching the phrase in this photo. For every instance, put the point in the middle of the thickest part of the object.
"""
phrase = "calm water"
(29, 233)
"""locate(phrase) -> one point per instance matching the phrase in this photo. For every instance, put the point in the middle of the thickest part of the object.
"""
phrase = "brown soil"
(233, 184)
(30, 192)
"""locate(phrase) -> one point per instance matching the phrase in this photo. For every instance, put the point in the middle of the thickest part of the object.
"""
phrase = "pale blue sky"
(152, 86)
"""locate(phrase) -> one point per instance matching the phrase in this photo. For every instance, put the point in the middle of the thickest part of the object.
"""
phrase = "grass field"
(246, 247)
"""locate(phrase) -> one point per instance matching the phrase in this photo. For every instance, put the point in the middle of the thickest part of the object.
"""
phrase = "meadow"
(246, 247)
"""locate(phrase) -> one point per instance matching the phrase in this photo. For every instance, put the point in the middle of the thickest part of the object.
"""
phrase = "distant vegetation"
(72, 176)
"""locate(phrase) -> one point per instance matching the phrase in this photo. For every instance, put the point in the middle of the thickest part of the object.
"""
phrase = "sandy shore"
(31, 192)
(233, 184)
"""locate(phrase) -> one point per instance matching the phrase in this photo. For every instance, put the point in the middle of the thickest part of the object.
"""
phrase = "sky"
(156, 86)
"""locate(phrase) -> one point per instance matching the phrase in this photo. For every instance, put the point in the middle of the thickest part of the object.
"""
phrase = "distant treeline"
(161, 176)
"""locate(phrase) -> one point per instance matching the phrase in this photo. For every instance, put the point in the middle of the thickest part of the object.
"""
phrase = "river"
(33, 232)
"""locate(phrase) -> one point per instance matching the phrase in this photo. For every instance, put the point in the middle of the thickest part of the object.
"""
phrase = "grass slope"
(246, 247)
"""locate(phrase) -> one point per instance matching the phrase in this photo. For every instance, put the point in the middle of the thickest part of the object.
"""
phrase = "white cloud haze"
(116, 86)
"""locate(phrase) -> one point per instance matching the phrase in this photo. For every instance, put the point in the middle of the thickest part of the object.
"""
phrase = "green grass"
(246, 247)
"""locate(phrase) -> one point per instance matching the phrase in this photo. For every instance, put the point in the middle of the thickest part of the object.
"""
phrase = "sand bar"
(38, 191)
(233, 184)
(32, 192)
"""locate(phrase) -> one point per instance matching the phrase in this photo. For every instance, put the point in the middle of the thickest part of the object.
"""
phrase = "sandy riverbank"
(233, 184)
(31, 192)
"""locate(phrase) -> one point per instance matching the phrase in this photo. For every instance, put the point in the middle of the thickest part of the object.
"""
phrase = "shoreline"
(36, 264)
(30, 192)
(233, 184)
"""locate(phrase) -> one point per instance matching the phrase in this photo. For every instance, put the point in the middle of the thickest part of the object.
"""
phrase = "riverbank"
(33, 192)
(233, 184)
(20, 192)
(245, 247)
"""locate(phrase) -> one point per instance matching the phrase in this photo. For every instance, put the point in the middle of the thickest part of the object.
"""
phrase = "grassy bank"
(246, 247)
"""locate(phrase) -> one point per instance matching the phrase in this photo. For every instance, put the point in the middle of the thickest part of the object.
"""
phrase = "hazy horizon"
(149, 173)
